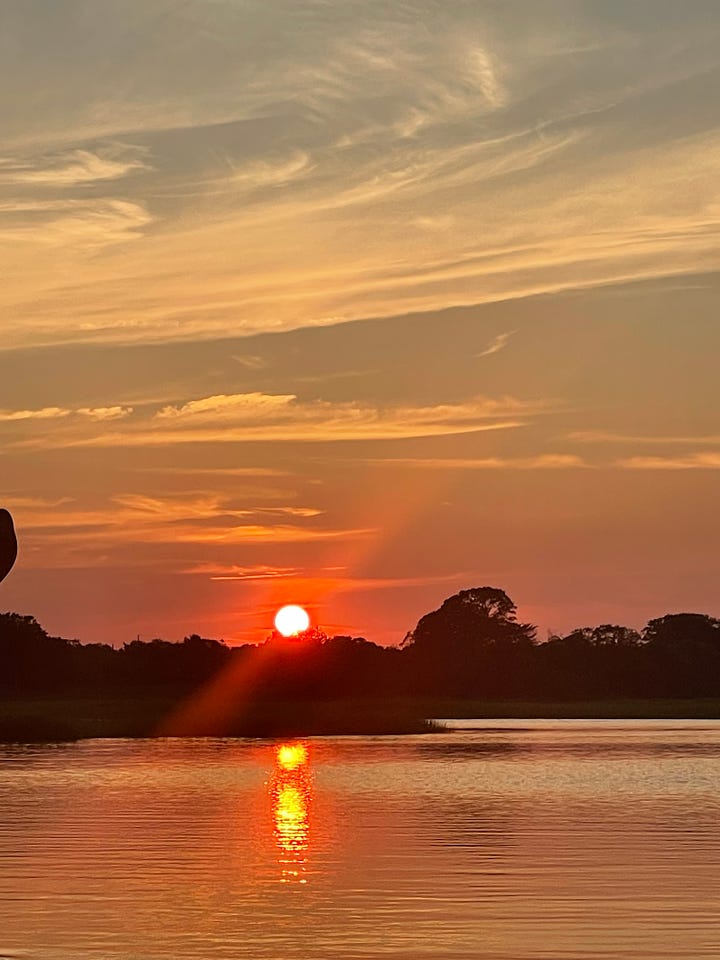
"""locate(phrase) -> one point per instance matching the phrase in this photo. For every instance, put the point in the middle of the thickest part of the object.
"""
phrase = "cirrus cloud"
(70, 168)
(59, 413)
(233, 418)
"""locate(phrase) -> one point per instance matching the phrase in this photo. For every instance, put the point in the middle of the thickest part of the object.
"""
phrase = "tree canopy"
(472, 646)
(683, 628)
(477, 617)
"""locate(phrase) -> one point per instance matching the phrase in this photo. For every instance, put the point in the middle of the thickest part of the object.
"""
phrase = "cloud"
(696, 461)
(545, 461)
(35, 503)
(44, 413)
(334, 375)
(70, 168)
(351, 584)
(483, 68)
(233, 418)
(206, 506)
(601, 436)
(272, 173)
(239, 406)
(49, 199)
(438, 222)
(251, 361)
(278, 407)
(496, 345)
(327, 581)
(105, 413)
(59, 413)
(391, 163)
(55, 531)
(229, 472)
(72, 544)
(72, 223)
(233, 571)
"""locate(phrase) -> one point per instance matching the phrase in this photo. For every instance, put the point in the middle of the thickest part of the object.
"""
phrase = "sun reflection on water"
(290, 756)
(291, 788)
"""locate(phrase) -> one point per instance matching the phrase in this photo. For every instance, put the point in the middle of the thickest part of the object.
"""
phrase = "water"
(507, 840)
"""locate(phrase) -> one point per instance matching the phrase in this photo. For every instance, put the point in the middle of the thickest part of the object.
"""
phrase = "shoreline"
(48, 720)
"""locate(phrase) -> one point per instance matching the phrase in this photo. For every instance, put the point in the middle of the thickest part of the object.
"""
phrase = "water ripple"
(501, 841)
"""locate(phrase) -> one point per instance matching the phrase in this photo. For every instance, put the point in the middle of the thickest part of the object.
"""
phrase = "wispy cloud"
(51, 199)
(22, 502)
(349, 419)
(271, 173)
(73, 223)
(239, 406)
(206, 506)
(233, 571)
(695, 461)
(59, 413)
(545, 461)
(607, 437)
(233, 418)
(56, 530)
(418, 163)
(105, 413)
(324, 582)
(44, 413)
(71, 168)
(229, 472)
(250, 360)
(497, 344)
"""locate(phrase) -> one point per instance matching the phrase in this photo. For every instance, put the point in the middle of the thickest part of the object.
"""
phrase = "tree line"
(471, 647)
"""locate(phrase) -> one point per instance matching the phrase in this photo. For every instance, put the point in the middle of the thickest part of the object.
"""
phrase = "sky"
(355, 304)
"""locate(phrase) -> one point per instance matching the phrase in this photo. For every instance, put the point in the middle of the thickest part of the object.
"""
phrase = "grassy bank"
(74, 719)
(79, 718)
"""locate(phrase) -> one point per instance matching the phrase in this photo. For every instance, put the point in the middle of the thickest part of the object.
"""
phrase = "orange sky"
(355, 306)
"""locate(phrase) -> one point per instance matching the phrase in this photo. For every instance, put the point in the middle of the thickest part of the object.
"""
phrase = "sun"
(291, 620)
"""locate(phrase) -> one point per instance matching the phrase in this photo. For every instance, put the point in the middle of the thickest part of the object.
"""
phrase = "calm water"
(505, 841)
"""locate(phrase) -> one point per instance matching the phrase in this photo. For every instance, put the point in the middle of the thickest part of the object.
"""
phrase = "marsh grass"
(52, 720)
(75, 719)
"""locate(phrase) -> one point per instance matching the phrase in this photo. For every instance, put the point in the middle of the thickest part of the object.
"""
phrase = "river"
(497, 840)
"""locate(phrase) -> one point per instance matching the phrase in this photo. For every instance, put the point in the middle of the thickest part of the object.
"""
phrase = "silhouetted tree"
(478, 617)
(30, 659)
(591, 662)
(684, 655)
(614, 635)
(354, 666)
(683, 628)
(472, 643)
(161, 664)
(471, 646)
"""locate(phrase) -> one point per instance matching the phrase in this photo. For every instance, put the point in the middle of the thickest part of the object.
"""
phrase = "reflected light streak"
(291, 789)
(290, 756)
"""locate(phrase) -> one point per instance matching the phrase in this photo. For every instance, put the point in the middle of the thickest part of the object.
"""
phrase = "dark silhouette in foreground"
(8, 543)
(471, 650)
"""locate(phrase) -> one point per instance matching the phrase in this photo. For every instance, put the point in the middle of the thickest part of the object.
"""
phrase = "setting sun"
(291, 620)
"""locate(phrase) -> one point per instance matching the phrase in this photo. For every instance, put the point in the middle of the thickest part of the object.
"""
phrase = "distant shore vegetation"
(472, 650)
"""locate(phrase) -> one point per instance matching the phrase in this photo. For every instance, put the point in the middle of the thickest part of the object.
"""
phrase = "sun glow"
(291, 620)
